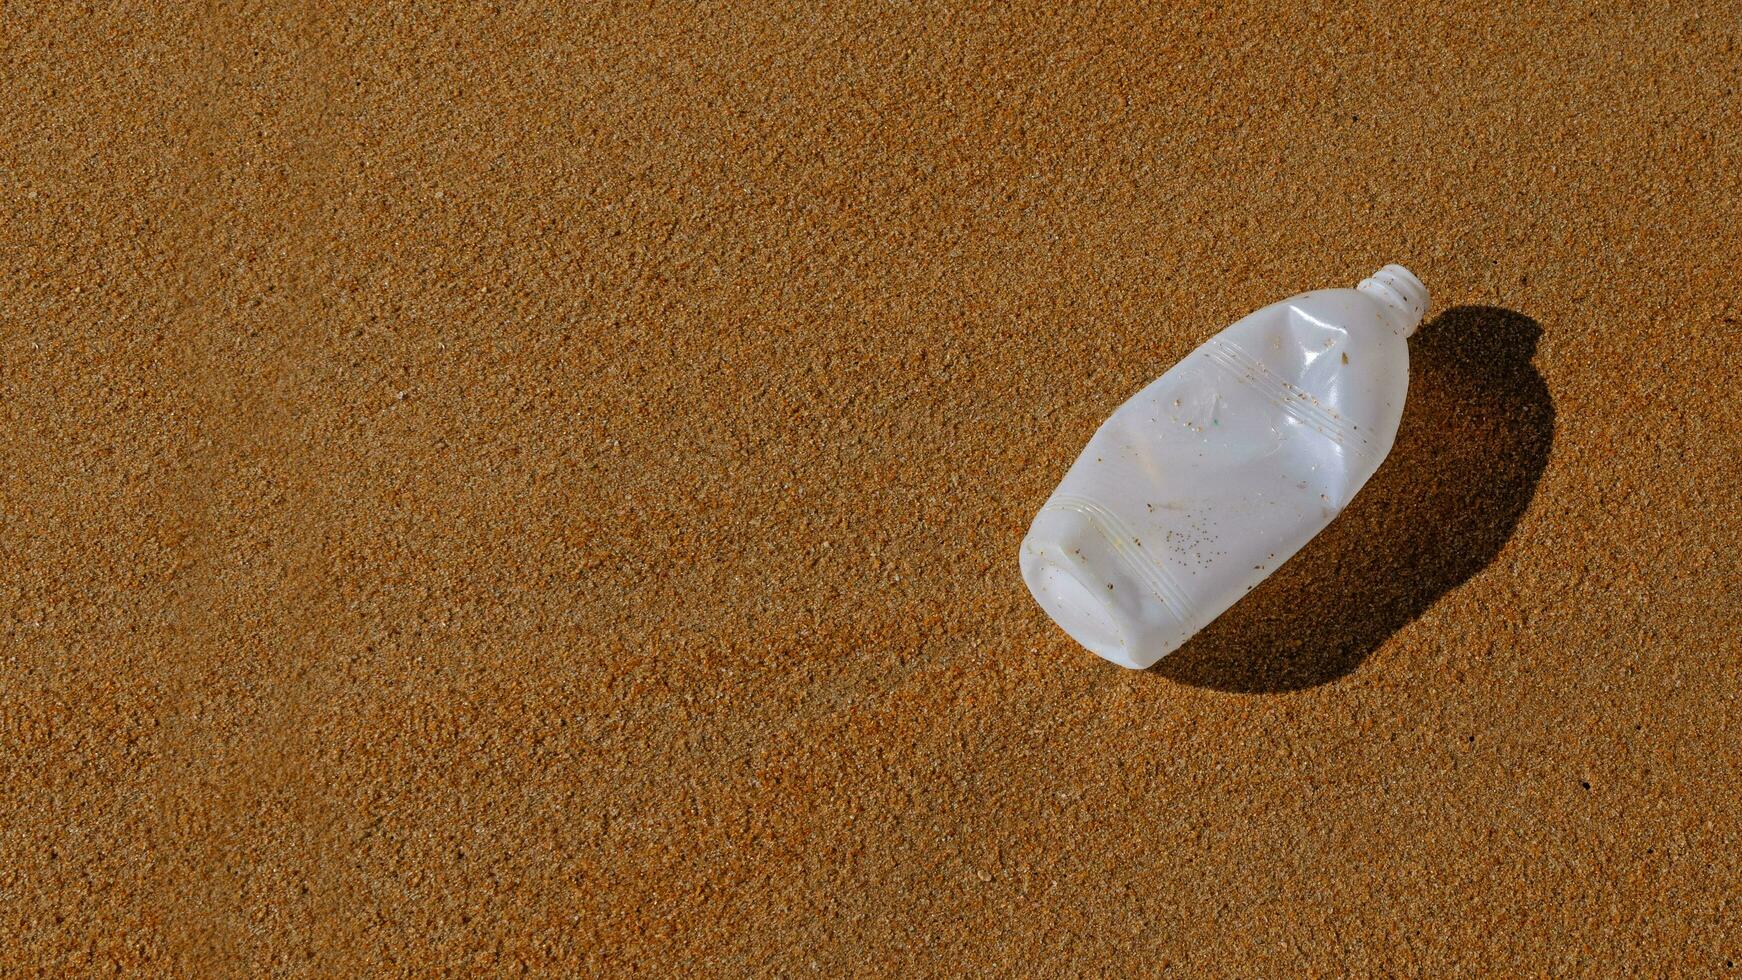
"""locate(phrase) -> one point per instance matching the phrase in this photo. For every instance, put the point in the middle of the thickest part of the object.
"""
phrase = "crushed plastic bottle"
(1220, 470)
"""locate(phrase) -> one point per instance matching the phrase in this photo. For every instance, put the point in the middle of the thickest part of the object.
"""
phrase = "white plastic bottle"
(1221, 469)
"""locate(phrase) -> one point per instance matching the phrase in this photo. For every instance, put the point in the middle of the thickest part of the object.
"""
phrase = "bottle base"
(1095, 590)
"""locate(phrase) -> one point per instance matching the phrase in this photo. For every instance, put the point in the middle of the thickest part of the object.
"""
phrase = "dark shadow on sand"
(1473, 443)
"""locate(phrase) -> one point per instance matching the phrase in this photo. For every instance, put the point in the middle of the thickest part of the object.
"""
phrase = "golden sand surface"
(530, 487)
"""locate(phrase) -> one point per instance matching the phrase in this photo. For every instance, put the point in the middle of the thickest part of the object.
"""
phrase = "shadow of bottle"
(1473, 443)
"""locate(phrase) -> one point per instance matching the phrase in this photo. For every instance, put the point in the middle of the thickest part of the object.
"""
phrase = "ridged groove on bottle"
(1136, 555)
(1297, 402)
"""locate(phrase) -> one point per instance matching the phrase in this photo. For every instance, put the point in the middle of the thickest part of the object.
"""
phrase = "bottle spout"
(1398, 289)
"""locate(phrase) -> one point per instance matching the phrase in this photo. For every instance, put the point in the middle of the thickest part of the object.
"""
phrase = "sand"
(527, 491)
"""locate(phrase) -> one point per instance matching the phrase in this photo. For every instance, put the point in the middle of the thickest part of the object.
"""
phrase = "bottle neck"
(1401, 293)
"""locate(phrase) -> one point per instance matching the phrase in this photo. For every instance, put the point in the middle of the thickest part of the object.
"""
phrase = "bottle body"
(1217, 472)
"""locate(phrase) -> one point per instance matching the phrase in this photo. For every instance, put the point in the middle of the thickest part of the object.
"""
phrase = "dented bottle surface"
(1220, 470)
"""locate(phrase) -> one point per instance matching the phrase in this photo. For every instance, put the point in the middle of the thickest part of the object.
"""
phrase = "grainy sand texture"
(523, 487)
